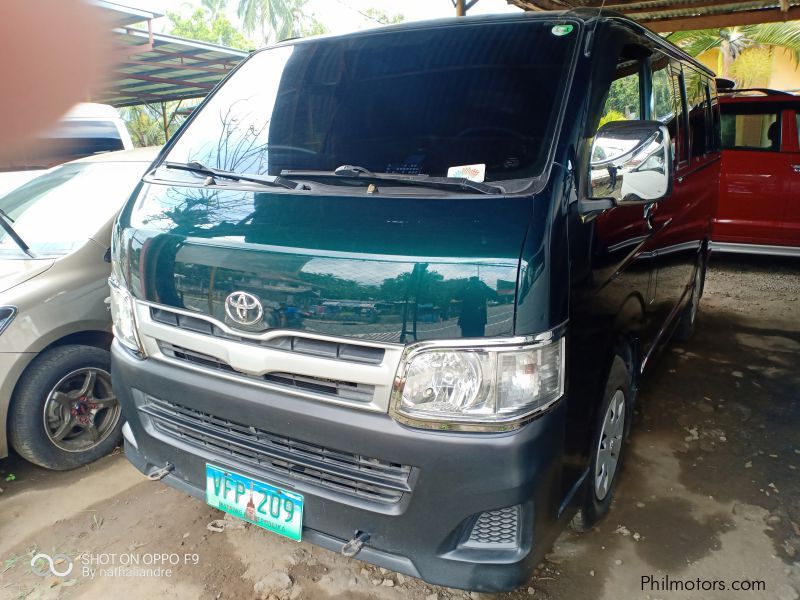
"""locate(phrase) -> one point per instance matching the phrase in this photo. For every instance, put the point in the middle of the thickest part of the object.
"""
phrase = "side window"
(752, 131)
(699, 113)
(713, 103)
(682, 123)
(667, 102)
(623, 102)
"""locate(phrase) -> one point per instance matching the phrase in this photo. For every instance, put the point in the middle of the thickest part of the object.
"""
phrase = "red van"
(759, 200)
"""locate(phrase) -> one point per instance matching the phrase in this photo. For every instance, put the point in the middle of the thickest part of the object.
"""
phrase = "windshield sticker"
(560, 30)
(471, 172)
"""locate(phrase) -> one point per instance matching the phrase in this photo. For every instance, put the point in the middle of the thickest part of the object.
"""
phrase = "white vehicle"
(85, 130)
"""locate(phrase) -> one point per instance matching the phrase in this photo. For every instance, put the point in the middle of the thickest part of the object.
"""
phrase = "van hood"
(14, 272)
(383, 268)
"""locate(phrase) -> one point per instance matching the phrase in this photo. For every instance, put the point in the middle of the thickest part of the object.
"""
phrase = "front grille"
(333, 388)
(496, 529)
(367, 355)
(350, 474)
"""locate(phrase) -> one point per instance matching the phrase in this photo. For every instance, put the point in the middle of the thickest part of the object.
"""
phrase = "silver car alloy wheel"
(81, 410)
(610, 445)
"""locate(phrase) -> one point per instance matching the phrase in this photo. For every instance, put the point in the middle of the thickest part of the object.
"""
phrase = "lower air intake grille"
(347, 473)
(496, 529)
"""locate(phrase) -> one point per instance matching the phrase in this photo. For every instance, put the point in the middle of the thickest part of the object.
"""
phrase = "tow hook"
(159, 474)
(353, 547)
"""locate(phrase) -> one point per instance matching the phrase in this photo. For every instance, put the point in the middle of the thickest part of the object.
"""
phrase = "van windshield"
(401, 101)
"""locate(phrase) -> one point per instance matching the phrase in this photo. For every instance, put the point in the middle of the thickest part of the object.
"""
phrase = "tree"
(152, 124)
(733, 42)
(383, 17)
(277, 20)
(202, 27)
(214, 7)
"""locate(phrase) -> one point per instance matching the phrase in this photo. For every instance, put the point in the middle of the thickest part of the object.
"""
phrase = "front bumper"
(427, 532)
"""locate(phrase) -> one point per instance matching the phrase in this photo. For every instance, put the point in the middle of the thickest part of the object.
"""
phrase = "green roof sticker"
(560, 30)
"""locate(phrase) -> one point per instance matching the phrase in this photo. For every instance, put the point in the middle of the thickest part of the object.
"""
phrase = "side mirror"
(631, 163)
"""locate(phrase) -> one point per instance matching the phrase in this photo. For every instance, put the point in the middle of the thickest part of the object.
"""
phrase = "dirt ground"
(709, 492)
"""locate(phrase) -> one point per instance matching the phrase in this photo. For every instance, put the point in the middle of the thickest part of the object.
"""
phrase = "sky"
(340, 16)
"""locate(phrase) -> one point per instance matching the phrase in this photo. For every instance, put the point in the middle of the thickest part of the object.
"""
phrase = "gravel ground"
(708, 492)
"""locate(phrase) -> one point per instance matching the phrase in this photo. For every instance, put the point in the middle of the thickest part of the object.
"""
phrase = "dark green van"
(393, 292)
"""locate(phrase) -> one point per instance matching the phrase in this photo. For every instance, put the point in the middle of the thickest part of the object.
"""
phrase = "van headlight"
(124, 317)
(480, 388)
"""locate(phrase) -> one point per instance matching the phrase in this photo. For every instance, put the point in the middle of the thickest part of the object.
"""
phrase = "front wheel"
(64, 413)
(607, 448)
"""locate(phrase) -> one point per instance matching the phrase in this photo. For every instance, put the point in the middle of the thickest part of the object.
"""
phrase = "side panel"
(682, 221)
(756, 175)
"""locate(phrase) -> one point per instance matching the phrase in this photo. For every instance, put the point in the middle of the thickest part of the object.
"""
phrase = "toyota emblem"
(243, 308)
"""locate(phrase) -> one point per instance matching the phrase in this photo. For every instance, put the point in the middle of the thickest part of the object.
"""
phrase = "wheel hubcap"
(610, 445)
(81, 410)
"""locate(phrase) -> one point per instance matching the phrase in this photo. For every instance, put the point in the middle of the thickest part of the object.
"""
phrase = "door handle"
(796, 168)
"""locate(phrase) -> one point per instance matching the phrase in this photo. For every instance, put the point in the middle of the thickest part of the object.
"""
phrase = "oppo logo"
(43, 564)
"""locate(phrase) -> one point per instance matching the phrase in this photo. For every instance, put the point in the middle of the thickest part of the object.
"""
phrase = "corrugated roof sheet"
(155, 67)
(679, 15)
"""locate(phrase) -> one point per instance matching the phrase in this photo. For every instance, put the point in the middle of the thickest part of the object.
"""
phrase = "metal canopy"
(153, 67)
(680, 15)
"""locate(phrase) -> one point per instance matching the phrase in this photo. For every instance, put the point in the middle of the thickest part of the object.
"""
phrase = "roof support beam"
(181, 82)
(182, 66)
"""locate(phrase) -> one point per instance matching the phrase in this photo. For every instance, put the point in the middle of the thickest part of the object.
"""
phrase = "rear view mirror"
(631, 162)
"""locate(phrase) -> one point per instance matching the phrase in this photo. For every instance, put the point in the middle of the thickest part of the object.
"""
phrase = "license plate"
(274, 509)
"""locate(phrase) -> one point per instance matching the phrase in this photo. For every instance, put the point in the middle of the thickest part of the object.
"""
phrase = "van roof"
(143, 155)
(92, 110)
(580, 14)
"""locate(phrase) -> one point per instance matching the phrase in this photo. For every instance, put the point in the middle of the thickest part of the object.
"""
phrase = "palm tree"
(733, 41)
(276, 19)
(214, 7)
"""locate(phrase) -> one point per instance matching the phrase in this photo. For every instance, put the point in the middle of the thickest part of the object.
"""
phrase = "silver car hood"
(14, 272)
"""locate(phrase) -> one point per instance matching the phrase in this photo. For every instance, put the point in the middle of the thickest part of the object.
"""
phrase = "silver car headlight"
(7, 314)
(124, 317)
(492, 387)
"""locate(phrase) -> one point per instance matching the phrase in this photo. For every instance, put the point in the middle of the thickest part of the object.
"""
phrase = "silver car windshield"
(59, 211)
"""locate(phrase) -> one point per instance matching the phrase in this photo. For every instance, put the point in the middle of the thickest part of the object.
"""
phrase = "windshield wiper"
(356, 172)
(5, 223)
(270, 180)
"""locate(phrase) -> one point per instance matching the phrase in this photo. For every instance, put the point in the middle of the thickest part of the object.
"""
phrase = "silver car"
(56, 401)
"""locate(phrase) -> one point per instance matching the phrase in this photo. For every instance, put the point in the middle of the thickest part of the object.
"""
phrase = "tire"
(685, 327)
(610, 438)
(63, 412)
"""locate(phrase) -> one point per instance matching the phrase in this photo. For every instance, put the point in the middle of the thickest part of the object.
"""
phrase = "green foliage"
(623, 97)
(278, 20)
(145, 122)
(383, 17)
(734, 43)
(204, 27)
(214, 7)
(612, 115)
